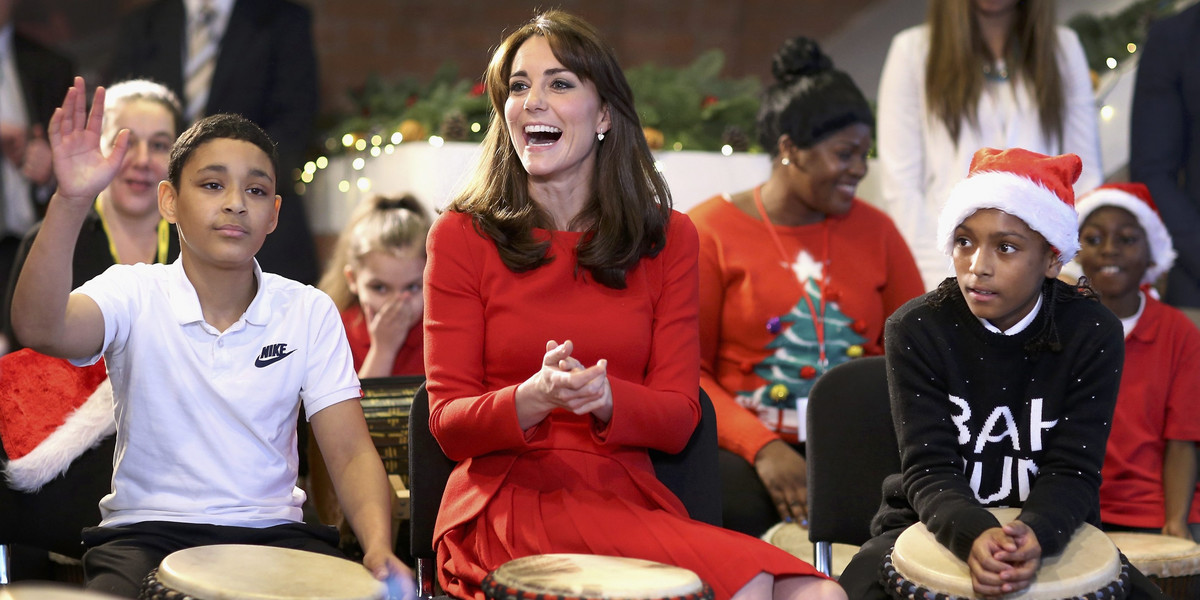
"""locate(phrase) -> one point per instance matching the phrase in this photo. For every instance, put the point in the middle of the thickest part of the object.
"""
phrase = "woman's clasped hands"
(564, 382)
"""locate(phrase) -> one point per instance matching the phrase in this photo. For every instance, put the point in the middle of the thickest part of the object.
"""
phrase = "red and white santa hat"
(1033, 187)
(1135, 198)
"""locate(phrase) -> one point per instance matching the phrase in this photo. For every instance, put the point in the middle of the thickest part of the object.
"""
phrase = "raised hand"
(81, 168)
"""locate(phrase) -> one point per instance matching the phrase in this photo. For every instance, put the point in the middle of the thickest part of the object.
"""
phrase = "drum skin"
(587, 576)
(1089, 567)
(793, 537)
(1172, 563)
(245, 572)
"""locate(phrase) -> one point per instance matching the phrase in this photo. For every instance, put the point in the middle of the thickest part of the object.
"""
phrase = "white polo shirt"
(206, 420)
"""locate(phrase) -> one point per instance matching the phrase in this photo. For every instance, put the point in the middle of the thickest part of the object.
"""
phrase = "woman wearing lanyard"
(796, 276)
(124, 226)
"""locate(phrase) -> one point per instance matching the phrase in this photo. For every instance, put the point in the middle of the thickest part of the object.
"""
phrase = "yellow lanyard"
(164, 237)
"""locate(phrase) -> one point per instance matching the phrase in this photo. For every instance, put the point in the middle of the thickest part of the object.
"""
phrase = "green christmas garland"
(691, 108)
(688, 108)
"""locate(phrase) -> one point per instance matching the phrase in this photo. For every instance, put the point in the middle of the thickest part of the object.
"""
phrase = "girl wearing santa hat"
(1002, 384)
(1150, 466)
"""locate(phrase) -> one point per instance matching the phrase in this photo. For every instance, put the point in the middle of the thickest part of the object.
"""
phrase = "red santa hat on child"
(1135, 198)
(1033, 187)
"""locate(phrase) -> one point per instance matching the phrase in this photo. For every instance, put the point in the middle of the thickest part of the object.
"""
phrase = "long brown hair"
(626, 216)
(953, 73)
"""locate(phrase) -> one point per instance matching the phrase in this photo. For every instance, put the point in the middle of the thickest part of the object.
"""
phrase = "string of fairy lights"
(372, 145)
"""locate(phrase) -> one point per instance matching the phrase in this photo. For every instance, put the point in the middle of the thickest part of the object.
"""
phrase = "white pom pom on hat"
(1033, 187)
(1135, 198)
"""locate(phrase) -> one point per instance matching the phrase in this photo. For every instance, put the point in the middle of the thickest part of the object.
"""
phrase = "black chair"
(692, 475)
(851, 448)
(51, 519)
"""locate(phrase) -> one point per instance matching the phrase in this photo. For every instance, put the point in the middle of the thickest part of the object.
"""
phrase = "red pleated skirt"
(581, 502)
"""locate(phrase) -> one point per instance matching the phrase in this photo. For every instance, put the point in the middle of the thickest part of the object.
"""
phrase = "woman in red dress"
(561, 336)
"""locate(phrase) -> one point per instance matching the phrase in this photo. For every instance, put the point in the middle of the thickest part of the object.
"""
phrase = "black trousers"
(119, 558)
(746, 507)
(861, 578)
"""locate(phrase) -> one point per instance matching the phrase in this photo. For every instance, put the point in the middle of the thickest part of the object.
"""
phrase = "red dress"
(566, 484)
(410, 359)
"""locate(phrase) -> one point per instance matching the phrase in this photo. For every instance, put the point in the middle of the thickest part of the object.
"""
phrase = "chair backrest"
(851, 448)
(428, 470)
(53, 517)
(692, 475)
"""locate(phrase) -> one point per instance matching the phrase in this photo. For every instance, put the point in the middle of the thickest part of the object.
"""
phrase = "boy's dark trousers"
(119, 558)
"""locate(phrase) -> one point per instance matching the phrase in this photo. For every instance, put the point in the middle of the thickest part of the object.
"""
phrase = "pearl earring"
(600, 136)
(785, 162)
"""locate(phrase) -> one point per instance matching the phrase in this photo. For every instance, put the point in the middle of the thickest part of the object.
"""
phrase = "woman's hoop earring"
(785, 162)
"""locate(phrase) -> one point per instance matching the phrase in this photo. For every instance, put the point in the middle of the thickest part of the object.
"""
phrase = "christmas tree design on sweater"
(795, 363)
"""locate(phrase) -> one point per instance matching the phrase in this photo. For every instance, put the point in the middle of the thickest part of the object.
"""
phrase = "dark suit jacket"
(1164, 142)
(266, 71)
(45, 77)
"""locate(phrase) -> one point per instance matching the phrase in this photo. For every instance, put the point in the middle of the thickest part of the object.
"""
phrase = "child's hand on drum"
(385, 567)
(986, 569)
(1025, 559)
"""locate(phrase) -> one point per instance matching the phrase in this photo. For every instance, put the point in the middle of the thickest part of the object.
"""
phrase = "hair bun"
(799, 57)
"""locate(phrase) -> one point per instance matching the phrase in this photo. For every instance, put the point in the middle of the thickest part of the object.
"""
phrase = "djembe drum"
(1172, 563)
(793, 538)
(242, 572)
(1090, 567)
(587, 576)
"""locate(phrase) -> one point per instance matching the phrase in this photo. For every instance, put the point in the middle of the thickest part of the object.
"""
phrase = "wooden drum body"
(1089, 567)
(586, 576)
(1172, 563)
(243, 572)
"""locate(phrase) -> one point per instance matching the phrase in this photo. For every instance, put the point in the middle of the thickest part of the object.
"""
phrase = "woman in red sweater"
(796, 276)
(561, 336)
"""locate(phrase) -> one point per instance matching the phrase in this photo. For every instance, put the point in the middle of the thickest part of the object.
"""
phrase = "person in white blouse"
(995, 73)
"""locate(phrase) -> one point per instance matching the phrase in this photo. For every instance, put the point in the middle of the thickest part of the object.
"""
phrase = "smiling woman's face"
(553, 115)
(134, 191)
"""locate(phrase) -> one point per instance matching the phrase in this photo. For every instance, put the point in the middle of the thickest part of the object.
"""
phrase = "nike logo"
(271, 354)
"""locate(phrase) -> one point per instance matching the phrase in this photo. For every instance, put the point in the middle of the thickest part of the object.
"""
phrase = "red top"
(410, 360)
(1157, 401)
(743, 284)
(567, 483)
(486, 330)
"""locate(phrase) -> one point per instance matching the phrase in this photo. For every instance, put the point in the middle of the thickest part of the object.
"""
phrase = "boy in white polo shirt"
(209, 358)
